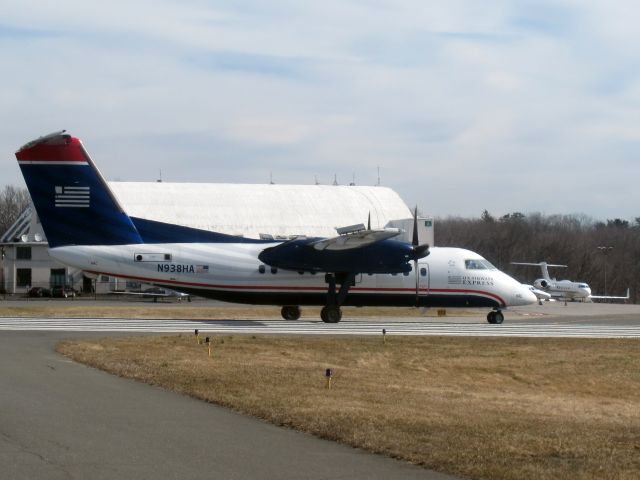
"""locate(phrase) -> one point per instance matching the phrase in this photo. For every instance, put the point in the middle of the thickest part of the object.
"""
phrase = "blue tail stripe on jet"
(92, 219)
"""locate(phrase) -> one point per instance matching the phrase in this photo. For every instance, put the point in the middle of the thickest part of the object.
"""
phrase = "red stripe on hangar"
(61, 150)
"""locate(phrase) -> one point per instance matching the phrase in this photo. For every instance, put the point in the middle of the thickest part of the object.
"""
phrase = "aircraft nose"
(524, 296)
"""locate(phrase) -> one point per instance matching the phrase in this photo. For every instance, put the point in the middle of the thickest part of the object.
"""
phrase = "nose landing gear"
(495, 317)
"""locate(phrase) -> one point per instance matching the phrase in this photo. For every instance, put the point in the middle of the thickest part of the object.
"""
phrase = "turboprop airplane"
(564, 289)
(87, 228)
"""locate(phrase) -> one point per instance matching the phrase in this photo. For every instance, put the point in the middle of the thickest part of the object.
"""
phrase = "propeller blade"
(415, 241)
(419, 251)
(369, 221)
(415, 270)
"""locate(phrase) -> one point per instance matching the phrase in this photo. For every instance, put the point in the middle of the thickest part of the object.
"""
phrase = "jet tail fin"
(543, 266)
(74, 203)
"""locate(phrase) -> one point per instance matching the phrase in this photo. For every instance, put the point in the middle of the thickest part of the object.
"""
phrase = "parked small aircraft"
(86, 227)
(564, 289)
(155, 293)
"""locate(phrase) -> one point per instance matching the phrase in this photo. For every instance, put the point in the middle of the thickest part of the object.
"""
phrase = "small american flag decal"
(202, 268)
(73, 197)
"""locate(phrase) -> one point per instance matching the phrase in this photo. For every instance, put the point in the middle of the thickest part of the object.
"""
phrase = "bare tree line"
(571, 240)
(13, 201)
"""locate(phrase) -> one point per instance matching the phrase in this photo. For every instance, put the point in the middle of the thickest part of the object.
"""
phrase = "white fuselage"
(564, 289)
(233, 272)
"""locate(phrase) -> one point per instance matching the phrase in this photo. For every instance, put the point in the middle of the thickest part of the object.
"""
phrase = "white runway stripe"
(346, 327)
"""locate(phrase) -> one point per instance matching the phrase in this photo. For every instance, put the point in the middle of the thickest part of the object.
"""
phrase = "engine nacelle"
(541, 283)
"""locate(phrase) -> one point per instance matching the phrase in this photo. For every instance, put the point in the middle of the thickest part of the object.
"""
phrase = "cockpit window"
(583, 285)
(478, 264)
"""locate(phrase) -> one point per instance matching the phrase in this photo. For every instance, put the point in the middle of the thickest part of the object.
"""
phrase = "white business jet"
(564, 289)
(87, 228)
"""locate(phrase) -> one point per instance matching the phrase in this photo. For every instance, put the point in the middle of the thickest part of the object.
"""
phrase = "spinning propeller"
(418, 251)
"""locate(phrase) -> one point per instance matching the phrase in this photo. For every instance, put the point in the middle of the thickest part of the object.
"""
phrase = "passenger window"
(274, 270)
(261, 269)
(423, 272)
(406, 274)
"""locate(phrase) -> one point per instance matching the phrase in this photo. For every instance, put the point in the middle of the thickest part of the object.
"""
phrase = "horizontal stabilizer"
(538, 264)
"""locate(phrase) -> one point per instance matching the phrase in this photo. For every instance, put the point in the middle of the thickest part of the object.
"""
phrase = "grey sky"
(464, 105)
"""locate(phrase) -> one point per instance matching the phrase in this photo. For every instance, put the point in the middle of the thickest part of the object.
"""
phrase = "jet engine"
(541, 283)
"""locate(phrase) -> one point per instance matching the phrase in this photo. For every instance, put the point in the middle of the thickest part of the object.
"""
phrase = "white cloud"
(464, 105)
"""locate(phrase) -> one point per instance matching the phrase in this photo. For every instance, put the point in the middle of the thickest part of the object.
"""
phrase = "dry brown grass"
(85, 309)
(480, 407)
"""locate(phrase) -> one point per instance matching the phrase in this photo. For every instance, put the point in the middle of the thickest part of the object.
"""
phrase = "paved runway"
(62, 420)
(556, 328)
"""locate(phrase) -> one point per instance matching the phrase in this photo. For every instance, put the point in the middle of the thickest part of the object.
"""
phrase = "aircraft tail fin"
(73, 201)
(543, 266)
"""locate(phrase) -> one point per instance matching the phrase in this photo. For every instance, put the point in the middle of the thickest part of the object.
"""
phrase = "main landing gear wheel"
(331, 314)
(290, 312)
(495, 317)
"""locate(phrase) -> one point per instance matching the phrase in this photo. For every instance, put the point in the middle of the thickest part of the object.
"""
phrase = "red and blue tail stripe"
(72, 199)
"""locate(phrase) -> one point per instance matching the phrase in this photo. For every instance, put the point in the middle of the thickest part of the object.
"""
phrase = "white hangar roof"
(254, 209)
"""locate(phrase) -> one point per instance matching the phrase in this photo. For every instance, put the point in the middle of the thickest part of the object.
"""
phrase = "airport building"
(250, 210)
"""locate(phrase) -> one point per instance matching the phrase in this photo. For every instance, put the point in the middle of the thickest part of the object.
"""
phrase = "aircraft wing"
(608, 297)
(355, 240)
(358, 251)
(152, 294)
(540, 294)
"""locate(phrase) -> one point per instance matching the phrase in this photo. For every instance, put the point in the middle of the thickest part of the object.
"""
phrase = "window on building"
(23, 277)
(104, 278)
(58, 276)
(23, 253)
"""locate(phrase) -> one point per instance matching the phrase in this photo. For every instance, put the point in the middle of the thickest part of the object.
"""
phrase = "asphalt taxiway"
(62, 420)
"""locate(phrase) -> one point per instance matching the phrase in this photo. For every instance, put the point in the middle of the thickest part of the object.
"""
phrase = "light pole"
(605, 250)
